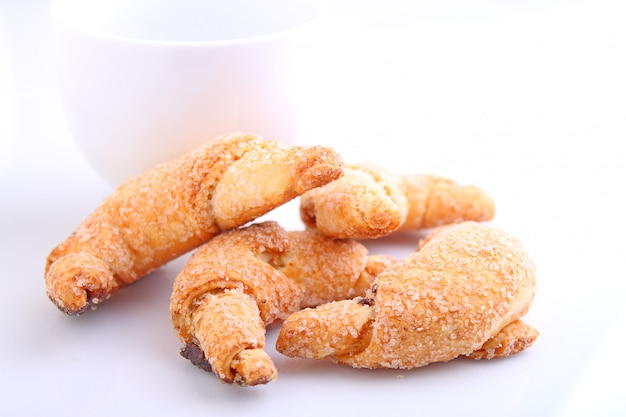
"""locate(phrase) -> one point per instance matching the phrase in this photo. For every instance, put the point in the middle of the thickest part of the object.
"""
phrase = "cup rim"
(60, 22)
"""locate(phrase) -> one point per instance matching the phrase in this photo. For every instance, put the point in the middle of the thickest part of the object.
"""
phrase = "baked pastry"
(461, 294)
(159, 215)
(369, 201)
(243, 280)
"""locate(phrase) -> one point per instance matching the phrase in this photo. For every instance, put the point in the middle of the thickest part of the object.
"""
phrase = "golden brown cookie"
(159, 215)
(369, 201)
(246, 279)
(462, 293)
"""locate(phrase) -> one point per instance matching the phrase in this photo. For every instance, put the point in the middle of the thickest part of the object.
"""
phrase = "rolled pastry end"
(512, 339)
(253, 367)
(330, 330)
(230, 337)
(78, 280)
(250, 367)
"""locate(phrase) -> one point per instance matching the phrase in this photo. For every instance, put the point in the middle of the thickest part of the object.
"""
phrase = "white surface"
(141, 91)
(525, 99)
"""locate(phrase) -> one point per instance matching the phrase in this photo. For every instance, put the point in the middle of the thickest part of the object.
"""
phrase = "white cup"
(144, 81)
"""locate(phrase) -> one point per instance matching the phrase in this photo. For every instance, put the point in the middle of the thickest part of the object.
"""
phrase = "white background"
(526, 99)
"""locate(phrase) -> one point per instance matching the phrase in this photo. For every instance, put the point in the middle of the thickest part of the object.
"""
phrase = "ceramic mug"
(145, 80)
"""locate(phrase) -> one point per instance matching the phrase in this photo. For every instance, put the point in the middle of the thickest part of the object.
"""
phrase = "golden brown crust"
(369, 201)
(238, 353)
(513, 339)
(436, 201)
(159, 215)
(273, 175)
(329, 269)
(327, 330)
(279, 272)
(464, 285)
(236, 260)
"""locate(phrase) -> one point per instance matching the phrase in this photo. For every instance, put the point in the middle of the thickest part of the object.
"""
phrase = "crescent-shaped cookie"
(370, 201)
(246, 279)
(460, 295)
(159, 215)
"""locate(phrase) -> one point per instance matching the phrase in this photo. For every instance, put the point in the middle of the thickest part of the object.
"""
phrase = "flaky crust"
(463, 287)
(246, 279)
(369, 201)
(435, 201)
(163, 213)
(512, 339)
